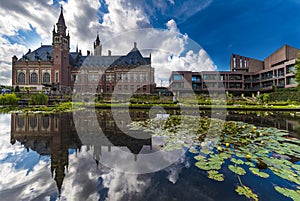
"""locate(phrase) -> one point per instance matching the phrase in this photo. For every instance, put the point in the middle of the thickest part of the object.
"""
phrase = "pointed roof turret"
(97, 39)
(61, 19)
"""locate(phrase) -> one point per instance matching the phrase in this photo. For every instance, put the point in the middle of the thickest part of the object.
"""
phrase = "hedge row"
(285, 96)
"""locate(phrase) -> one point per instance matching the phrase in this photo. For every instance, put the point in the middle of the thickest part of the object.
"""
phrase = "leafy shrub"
(38, 99)
(8, 99)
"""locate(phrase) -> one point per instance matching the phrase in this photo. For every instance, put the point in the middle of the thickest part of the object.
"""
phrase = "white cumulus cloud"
(118, 28)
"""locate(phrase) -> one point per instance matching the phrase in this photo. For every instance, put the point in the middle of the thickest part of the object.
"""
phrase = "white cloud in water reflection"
(21, 180)
(85, 181)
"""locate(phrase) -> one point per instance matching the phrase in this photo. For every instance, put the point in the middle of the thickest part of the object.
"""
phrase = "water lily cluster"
(236, 146)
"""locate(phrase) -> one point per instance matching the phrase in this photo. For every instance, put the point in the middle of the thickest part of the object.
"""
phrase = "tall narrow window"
(56, 77)
(33, 78)
(20, 122)
(144, 76)
(234, 62)
(45, 122)
(21, 78)
(241, 63)
(46, 78)
(131, 77)
(33, 121)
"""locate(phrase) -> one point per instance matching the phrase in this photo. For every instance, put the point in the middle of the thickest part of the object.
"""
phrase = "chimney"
(135, 45)
(15, 58)
(88, 53)
(109, 52)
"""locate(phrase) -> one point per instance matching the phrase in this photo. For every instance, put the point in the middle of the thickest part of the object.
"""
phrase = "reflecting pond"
(251, 156)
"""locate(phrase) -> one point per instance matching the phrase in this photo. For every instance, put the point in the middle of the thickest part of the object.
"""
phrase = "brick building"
(55, 64)
(246, 75)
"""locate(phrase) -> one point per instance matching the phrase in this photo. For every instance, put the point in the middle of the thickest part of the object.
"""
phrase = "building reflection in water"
(55, 135)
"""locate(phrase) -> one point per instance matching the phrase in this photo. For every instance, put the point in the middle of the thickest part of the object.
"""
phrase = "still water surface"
(42, 157)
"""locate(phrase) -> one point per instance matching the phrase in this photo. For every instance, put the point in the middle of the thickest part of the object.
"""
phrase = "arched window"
(33, 121)
(46, 122)
(46, 78)
(33, 78)
(20, 122)
(21, 78)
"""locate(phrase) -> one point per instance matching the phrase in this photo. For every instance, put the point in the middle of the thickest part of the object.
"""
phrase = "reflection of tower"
(47, 135)
(59, 150)
(59, 161)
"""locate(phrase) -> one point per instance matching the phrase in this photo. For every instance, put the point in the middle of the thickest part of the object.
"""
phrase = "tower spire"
(97, 39)
(61, 19)
(61, 25)
(97, 46)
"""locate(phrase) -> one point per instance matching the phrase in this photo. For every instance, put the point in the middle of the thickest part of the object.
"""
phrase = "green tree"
(266, 98)
(17, 89)
(297, 72)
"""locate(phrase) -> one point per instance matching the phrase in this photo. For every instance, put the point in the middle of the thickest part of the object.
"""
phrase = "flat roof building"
(246, 75)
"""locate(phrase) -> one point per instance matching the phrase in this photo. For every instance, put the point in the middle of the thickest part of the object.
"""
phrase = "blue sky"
(252, 28)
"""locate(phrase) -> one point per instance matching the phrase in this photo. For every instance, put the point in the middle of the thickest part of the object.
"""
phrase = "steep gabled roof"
(99, 61)
(134, 57)
(43, 53)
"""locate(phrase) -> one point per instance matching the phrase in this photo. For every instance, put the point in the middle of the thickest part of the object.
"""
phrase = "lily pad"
(199, 157)
(258, 173)
(237, 161)
(246, 191)
(250, 164)
(294, 194)
(202, 165)
(215, 175)
(237, 170)
(286, 174)
(206, 151)
(193, 150)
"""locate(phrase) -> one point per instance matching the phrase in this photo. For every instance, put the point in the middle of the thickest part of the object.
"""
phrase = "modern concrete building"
(246, 75)
(97, 73)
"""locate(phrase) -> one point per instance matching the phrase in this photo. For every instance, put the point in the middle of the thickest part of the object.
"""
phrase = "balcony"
(267, 77)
